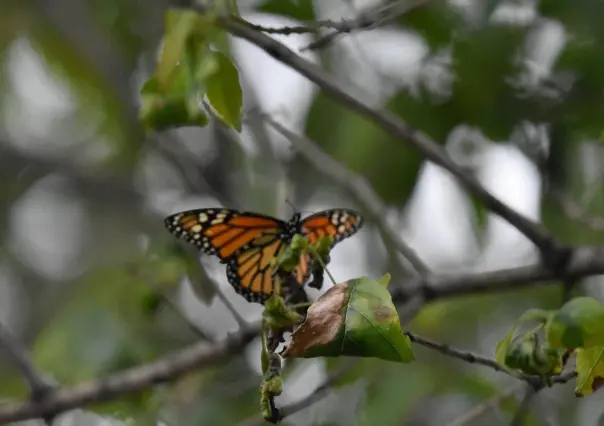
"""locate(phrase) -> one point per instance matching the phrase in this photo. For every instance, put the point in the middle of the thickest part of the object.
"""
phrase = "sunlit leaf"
(590, 370)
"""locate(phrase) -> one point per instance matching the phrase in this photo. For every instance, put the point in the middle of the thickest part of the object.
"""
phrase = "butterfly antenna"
(292, 205)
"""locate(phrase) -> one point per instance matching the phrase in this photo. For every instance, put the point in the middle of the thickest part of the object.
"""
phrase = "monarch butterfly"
(247, 242)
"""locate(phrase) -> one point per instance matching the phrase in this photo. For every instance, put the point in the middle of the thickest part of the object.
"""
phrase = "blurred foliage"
(116, 313)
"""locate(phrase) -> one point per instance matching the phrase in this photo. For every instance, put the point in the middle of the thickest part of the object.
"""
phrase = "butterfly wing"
(338, 223)
(224, 232)
(250, 273)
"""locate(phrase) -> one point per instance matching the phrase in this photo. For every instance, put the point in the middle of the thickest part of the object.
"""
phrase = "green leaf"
(590, 370)
(384, 280)
(180, 26)
(389, 165)
(526, 355)
(301, 10)
(481, 92)
(578, 324)
(178, 108)
(503, 345)
(355, 318)
(224, 92)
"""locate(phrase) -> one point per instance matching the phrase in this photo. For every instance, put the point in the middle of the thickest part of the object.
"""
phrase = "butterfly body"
(247, 242)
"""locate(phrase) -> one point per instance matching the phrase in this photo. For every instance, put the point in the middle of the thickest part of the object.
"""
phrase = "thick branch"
(584, 261)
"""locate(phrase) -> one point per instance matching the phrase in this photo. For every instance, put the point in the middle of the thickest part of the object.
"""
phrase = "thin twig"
(370, 18)
(319, 393)
(241, 322)
(366, 20)
(356, 185)
(524, 407)
(178, 312)
(466, 356)
(493, 402)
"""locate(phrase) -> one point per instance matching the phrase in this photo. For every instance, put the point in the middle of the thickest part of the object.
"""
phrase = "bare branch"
(462, 355)
(356, 185)
(371, 18)
(397, 128)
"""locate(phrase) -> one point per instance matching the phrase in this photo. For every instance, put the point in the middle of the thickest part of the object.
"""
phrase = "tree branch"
(356, 185)
(368, 19)
(131, 380)
(584, 261)
(20, 357)
(371, 18)
(397, 128)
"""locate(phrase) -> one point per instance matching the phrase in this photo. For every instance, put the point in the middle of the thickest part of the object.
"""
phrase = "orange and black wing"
(224, 232)
(250, 272)
(338, 223)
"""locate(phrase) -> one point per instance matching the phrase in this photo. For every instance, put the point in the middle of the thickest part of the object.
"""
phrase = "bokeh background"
(513, 90)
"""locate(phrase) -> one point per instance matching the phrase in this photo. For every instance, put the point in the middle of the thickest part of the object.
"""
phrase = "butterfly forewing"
(223, 232)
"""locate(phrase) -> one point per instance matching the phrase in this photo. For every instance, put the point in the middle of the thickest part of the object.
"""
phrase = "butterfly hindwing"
(250, 272)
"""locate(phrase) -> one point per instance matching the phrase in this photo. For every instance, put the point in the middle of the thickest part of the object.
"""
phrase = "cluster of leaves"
(193, 63)
(577, 327)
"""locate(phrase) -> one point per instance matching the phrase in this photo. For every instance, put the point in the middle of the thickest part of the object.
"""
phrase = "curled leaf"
(503, 346)
(578, 324)
(355, 318)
